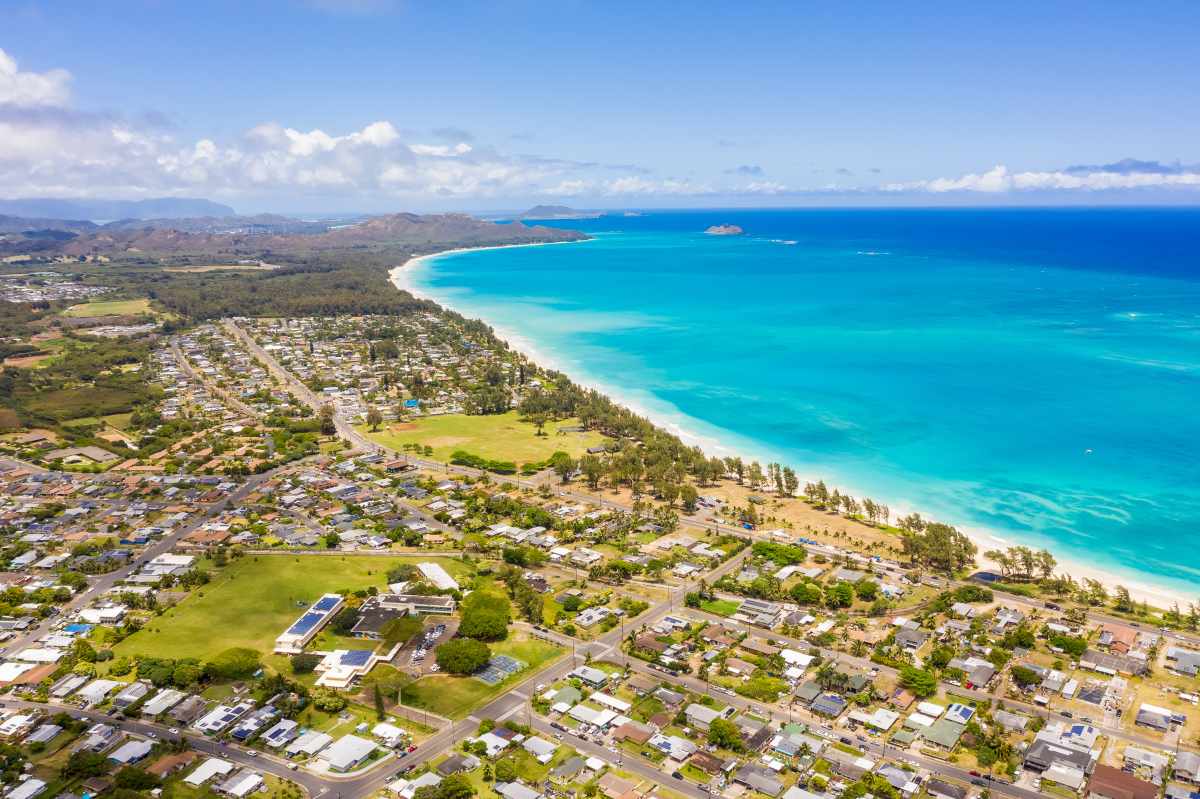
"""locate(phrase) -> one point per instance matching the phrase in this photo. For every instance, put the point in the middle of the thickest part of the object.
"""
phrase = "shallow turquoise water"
(1035, 374)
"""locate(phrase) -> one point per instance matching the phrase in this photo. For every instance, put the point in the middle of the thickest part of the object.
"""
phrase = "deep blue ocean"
(1032, 373)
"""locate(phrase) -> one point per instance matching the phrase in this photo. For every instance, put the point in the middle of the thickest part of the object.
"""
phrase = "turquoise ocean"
(1029, 374)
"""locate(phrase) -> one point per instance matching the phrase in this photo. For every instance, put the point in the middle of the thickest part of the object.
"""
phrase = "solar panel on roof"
(327, 603)
(305, 623)
(356, 657)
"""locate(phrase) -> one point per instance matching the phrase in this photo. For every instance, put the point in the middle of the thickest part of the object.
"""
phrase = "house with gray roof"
(759, 779)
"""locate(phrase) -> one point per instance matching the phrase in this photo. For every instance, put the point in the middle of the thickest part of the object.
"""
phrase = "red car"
(412, 748)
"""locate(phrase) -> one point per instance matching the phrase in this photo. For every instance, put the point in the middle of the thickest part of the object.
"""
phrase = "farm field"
(253, 599)
(496, 437)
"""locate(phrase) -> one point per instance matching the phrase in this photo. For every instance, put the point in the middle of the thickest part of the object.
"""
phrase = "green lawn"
(254, 599)
(502, 437)
(721, 607)
(119, 420)
(109, 308)
(456, 697)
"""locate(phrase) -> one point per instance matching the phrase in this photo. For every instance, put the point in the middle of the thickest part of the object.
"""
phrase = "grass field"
(500, 437)
(456, 697)
(88, 402)
(109, 308)
(721, 607)
(254, 599)
(119, 420)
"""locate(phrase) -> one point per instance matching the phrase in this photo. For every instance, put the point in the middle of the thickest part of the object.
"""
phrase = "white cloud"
(48, 148)
(32, 89)
(440, 150)
(764, 187)
(999, 179)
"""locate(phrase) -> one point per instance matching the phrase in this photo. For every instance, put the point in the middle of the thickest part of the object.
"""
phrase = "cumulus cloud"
(32, 89)
(441, 150)
(999, 179)
(50, 148)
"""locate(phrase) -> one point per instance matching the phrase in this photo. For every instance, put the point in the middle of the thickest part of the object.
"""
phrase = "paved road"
(983, 696)
(512, 701)
(101, 584)
(313, 783)
(14, 463)
(212, 387)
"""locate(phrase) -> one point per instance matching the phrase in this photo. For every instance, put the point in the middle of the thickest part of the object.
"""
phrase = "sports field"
(501, 437)
(109, 308)
(254, 599)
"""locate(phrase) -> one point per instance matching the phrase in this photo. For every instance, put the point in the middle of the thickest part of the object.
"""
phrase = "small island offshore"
(724, 230)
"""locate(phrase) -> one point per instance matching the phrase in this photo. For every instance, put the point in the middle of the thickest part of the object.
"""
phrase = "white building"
(435, 574)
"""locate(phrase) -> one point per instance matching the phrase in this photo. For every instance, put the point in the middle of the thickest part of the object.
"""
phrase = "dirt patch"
(402, 427)
(447, 441)
(26, 360)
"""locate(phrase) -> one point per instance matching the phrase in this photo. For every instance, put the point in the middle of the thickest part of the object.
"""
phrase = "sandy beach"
(717, 443)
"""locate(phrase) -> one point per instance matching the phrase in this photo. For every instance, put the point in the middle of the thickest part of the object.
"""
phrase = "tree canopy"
(463, 655)
(485, 616)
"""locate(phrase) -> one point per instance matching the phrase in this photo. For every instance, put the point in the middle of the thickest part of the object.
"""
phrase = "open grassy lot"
(721, 607)
(109, 308)
(456, 697)
(500, 437)
(253, 599)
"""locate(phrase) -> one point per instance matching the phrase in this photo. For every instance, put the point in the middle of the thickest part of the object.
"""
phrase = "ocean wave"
(1152, 363)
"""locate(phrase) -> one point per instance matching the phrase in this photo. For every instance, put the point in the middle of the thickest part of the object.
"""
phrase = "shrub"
(304, 663)
(233, 664)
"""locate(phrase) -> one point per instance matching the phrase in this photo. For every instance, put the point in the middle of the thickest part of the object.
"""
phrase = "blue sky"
(377, 105)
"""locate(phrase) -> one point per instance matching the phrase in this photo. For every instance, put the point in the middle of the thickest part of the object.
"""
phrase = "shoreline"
(1140, 590)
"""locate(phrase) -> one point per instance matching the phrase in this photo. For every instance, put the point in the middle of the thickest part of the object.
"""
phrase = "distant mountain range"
(108, 210)
(558, 212)
(35, 225)
(243, 237)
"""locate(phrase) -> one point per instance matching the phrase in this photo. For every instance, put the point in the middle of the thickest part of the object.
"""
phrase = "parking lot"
(418, 655)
